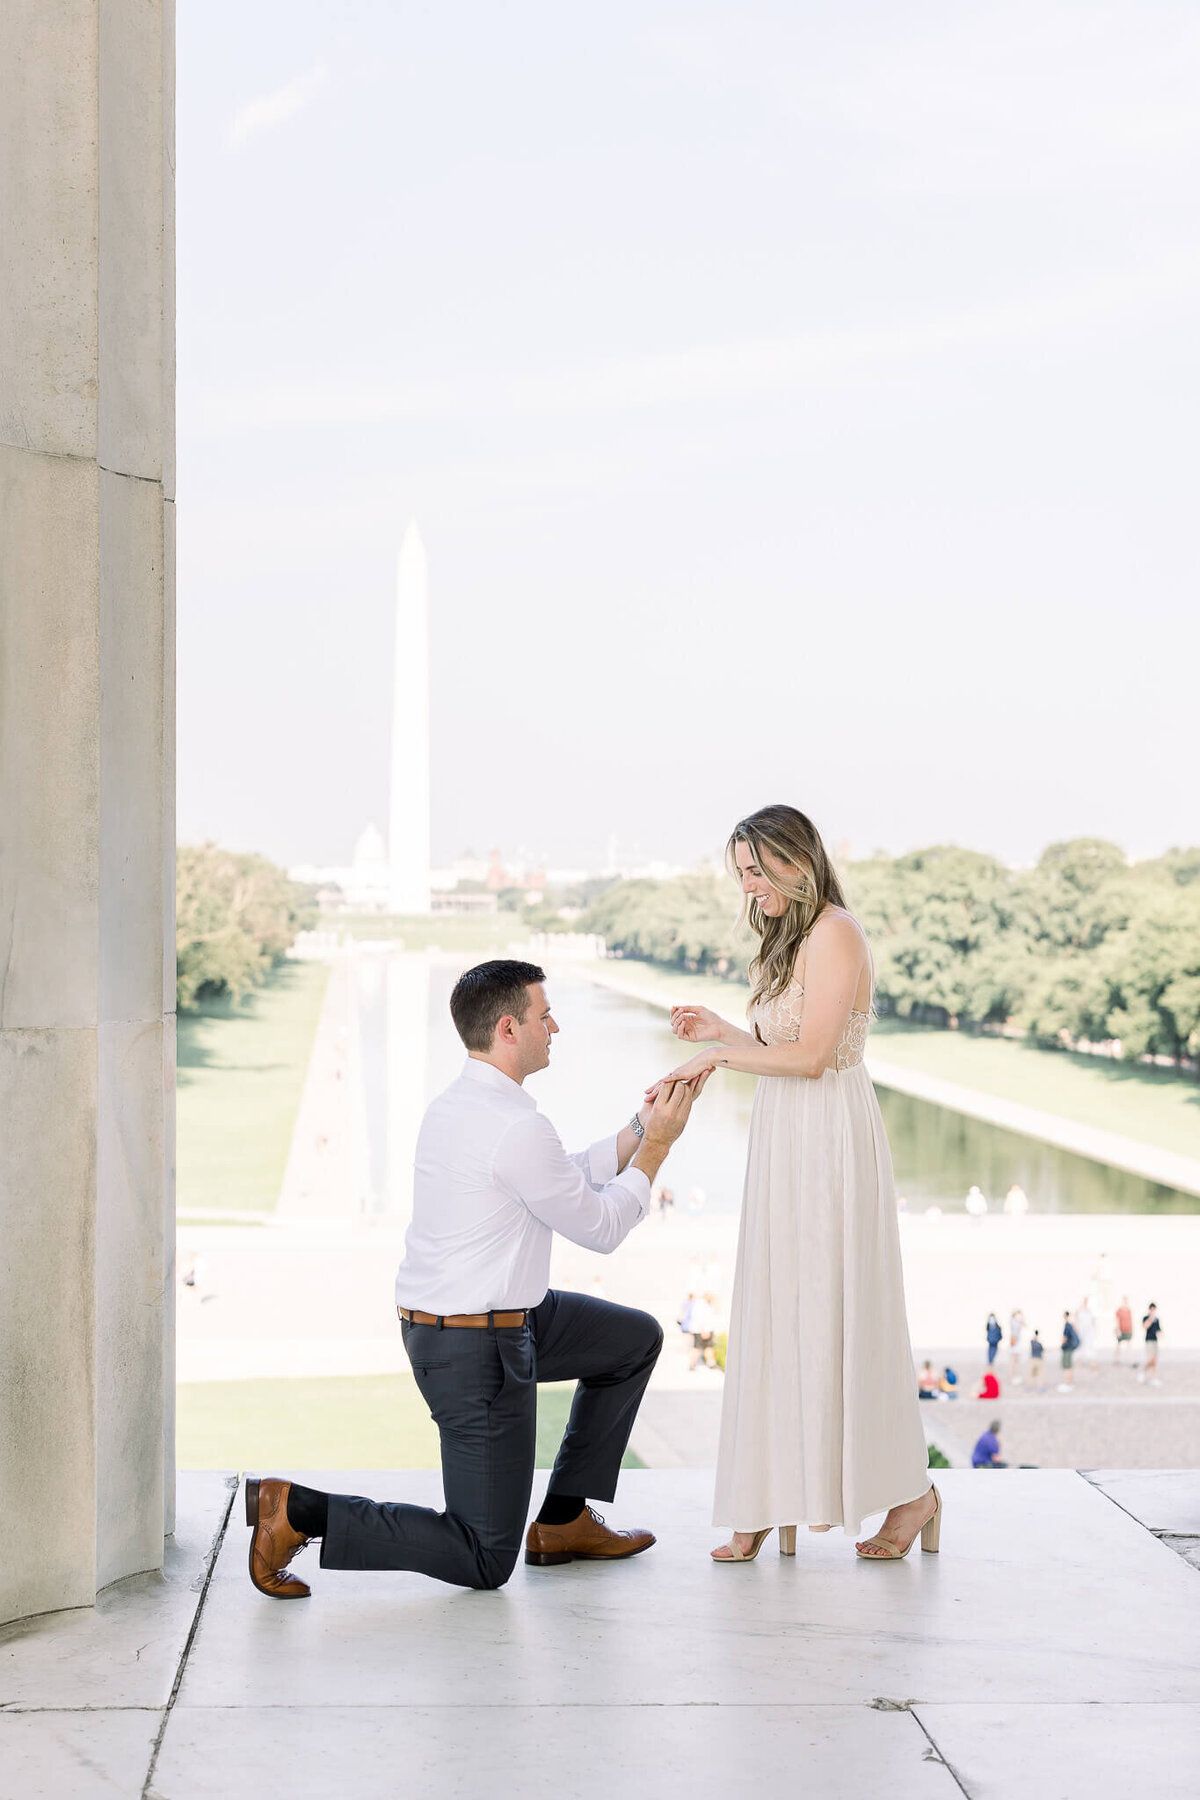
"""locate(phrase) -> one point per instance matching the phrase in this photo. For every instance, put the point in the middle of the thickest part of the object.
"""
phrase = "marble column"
(87, 951)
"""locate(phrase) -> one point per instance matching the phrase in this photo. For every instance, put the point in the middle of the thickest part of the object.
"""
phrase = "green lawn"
(241, 1071)
(1157, 1106)
(449, 931)
(354, 1422)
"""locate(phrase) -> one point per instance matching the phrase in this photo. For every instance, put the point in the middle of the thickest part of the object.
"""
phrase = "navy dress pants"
(481, 1387)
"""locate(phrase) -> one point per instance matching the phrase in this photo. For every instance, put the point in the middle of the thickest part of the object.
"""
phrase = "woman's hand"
(699, 1068)
(697, 1025)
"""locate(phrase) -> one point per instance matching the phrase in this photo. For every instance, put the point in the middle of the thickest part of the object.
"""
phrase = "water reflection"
(610, 1047)
(938, 1154)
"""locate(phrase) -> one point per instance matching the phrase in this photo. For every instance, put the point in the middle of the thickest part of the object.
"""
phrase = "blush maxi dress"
(820, 1423)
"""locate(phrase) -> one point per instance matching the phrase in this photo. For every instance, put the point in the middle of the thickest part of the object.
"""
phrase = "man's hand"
(668, 1116)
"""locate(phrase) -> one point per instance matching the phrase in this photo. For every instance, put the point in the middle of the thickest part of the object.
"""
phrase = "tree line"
(236, 916)
(1084, 949)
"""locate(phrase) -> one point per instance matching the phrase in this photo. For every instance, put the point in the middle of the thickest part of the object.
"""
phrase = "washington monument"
(408, 835)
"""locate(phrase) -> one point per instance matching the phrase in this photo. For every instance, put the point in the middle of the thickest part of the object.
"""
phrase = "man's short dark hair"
(488, 993)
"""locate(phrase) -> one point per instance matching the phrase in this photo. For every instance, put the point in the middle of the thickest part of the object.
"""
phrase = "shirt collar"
(488, 1075)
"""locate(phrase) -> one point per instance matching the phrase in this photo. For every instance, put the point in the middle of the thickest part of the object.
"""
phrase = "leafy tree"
(1078, 893)
(1082, 948)
(1154, 978)
(937, 919)
(235, 918)
(686, 923)
(1180, 866)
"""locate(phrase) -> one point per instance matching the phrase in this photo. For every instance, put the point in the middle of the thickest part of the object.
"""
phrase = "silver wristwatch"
(636, 1126)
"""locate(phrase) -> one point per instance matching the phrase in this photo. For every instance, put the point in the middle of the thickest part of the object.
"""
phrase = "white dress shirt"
(492, 1185)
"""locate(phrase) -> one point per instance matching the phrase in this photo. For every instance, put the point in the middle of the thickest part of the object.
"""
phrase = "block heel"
(787, 1540)
(252, 1503)
(877, 1549)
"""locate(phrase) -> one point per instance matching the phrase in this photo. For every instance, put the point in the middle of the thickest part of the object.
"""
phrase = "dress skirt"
(820, 1423)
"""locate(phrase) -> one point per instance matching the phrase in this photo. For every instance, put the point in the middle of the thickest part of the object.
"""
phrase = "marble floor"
(1051, 1652)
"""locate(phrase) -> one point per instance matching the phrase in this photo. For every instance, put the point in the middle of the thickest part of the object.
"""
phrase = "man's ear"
(506, 1029)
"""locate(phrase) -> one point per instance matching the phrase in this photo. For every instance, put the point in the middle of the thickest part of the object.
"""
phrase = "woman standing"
(820, 1422)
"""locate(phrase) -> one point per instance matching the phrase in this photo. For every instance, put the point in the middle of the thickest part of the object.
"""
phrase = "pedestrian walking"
(1085, 1325)
(1152, 1326)
(1070, 1344)
(994, 1335)
(975, 1203)
(1037, 1356)
(1016, 1334)
(1124, 1329)
(704, 1321)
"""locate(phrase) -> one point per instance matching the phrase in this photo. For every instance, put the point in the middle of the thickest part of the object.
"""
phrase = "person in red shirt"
(1124, 1328)
(989, 1387)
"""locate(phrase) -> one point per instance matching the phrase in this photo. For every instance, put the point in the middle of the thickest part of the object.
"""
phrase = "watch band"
(636, 1126)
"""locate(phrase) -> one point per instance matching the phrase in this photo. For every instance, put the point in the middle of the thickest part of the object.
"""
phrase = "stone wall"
(87, 955)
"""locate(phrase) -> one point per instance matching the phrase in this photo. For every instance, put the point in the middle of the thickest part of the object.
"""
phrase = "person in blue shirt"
(994, 1334)
(986, 1454)
(1070, 1344)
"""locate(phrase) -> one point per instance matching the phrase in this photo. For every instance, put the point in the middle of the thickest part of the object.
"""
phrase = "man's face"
(533, 1035)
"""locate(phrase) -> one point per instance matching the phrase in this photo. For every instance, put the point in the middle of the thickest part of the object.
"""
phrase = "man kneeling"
(492, 1185)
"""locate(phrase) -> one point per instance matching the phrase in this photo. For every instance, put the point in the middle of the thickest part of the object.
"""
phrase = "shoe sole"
(544, 1558)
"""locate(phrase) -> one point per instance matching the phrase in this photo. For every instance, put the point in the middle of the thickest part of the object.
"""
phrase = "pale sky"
(798, 402)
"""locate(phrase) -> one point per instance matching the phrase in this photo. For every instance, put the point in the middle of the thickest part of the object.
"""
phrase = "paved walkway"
(311, 1297)
(324, 1178)
(1108, 1420)
(1052, 1649)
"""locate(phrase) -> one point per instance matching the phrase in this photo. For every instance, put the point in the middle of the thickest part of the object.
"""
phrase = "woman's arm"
(836, 957)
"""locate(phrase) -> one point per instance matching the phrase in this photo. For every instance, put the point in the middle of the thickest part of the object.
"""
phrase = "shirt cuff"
(602, 1162)
(638, 1183)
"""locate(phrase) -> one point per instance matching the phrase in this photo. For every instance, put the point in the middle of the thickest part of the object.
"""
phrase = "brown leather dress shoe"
(587, 1538)
(274, 1541)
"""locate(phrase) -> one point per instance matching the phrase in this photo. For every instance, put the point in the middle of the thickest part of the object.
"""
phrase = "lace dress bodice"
(778, 1021)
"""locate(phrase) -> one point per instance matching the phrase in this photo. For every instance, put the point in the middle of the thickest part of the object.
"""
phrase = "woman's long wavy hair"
(801, 870)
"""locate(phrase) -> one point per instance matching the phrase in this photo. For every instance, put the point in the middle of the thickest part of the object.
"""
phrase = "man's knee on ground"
(493, 1568)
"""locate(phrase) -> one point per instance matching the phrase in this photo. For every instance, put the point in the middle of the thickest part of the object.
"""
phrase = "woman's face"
(757, 883)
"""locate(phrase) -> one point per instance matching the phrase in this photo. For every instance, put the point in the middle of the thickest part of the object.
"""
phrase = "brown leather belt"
(472, 1321)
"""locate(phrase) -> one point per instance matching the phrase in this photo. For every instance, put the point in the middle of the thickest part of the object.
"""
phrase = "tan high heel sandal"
(929, 1534)
(787, 1545)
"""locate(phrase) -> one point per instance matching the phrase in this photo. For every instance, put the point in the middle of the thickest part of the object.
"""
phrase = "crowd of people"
(1014, 1206)
(699, 1320)
(1078, 1339)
